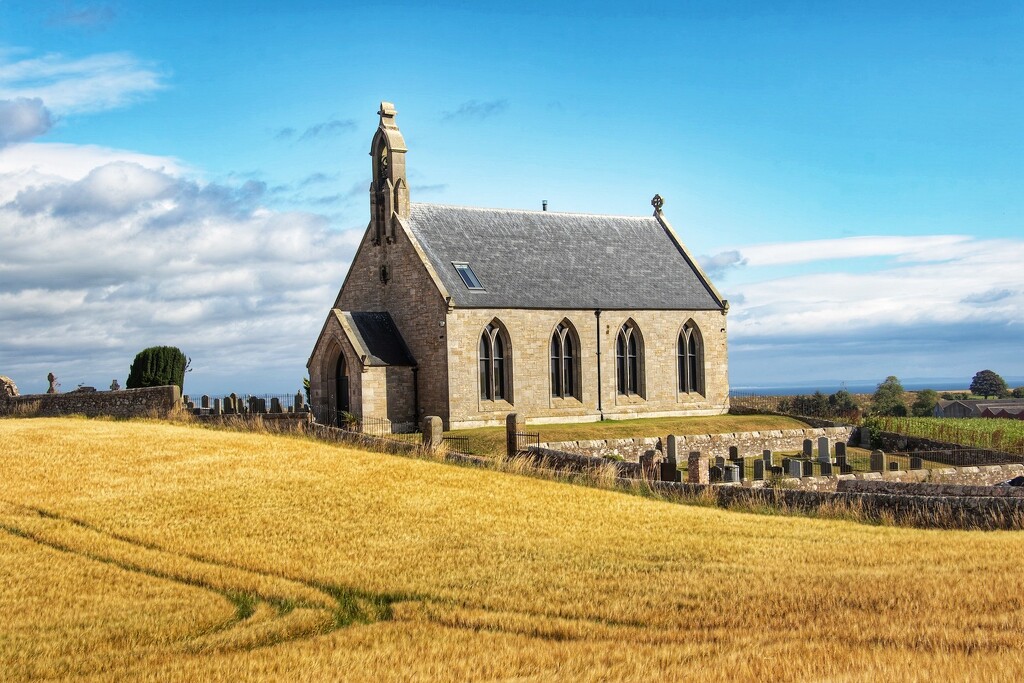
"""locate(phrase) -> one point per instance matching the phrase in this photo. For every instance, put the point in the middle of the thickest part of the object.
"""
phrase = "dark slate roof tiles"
(546, 259)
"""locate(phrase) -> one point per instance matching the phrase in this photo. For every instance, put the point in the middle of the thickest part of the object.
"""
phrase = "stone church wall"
(415, 305)
(529, 358)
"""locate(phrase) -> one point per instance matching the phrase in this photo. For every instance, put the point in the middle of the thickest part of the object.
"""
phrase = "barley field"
(156, 551)
(979, 432)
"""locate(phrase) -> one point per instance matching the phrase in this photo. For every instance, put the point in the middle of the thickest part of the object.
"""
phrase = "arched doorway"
(341, 385)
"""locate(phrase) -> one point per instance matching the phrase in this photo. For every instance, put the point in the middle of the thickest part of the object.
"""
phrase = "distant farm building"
(1009, 408)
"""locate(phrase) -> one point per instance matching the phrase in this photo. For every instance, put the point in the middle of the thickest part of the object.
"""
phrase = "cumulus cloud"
(89, 84)
(23, 119)
(95, 266)
(474, 109)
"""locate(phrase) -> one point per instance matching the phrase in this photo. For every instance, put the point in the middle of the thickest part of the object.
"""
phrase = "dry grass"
(134, 550)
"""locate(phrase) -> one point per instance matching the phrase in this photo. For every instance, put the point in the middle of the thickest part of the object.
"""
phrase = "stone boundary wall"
(562, 460)
(158, 402)
(928, 489)
(712, 445)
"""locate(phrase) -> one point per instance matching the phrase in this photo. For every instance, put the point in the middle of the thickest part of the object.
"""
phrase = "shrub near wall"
(158, 402)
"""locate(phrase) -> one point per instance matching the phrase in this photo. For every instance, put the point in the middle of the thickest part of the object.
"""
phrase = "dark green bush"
(158, 366)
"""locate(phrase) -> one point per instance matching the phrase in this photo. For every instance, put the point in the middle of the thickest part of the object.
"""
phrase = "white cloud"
(23, 119)
(75, 86)
(97, 264)
(923, 248)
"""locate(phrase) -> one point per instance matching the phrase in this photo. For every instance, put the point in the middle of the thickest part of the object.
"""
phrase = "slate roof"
(546, 259)
(380, 337)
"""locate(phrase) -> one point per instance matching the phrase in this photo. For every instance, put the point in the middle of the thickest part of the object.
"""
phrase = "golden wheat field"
(155, 551)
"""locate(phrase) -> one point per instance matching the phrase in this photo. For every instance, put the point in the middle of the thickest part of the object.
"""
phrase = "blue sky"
(852, 174)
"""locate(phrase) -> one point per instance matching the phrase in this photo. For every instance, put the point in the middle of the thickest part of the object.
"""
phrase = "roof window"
(468, 277)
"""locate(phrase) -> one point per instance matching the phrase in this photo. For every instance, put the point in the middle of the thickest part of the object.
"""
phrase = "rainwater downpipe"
(600, 410)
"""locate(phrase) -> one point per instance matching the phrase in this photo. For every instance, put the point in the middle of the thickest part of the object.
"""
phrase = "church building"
(470, 314)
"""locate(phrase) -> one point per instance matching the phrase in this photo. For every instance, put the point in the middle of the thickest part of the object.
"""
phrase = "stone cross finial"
(387, 110)
(657, 203)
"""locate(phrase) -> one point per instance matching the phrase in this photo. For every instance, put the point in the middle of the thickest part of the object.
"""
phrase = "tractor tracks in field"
(270, 608)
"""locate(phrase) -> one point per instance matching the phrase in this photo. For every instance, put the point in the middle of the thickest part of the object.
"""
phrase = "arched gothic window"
(563, 361)
(690, 353)
(493, 377)
(628, 359)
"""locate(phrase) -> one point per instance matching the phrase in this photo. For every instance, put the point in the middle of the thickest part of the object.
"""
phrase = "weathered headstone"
(742, 465)
(218, 408)
(275, 405)
(759, 470)
(719, 461)
(878, 461)
(767, 456)
(648, 465)
(731, 474)
(823, 450)
(785, 463)
(669, 471)
(433, 432)
(865, 437)
(894, 466)
(794, 469)
(300, 402)
(808, 466)
(204, 401)
(826, 469)
(715, 474)
(671, 452)
(808, 448)
(916, 463)
(697, 468)
(234, 403)
(514, 423)
(840, 449)
(734, 452)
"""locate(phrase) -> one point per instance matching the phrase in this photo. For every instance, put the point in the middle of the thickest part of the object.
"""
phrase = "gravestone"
(840, 450)
(719, 461)
(894, 466)
(878, 461)
(808, 448)
(731, 474)
(759, 470)
(826, 469)
(714, 474)
(697, 468)
(648, 465)
(669, 471)
(234, 402)
(808, 468)
(916, 463)
(300, 402)
(275, 405)
(767, 457)
(823, 449)
(515, 423)
(217, 407)
(204, 401)
(734, 452)
(433, 432)
(742, 465)
(785, 463)
(865, 437)
(794, 469)
(671, 446)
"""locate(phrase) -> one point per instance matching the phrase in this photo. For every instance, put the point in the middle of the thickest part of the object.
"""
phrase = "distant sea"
(829, 386)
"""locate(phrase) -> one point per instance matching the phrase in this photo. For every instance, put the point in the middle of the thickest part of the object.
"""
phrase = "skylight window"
(468, 277)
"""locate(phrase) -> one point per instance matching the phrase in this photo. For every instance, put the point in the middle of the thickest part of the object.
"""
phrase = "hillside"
(145, 550)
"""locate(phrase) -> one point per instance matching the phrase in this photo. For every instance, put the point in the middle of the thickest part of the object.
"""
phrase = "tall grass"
(154, 551)
(993, 433)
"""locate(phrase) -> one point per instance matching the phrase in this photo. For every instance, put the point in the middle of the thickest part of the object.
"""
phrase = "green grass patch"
(491, 440)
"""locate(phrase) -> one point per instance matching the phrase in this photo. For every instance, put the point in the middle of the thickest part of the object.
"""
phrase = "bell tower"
(389, 191)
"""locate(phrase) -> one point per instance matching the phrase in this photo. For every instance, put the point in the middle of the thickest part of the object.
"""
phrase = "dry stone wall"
(149, 402)
(712, 445)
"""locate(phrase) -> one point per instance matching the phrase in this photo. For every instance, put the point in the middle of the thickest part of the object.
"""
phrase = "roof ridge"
(529, 211)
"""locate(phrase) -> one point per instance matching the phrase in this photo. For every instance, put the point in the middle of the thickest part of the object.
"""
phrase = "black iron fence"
(525, 439)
